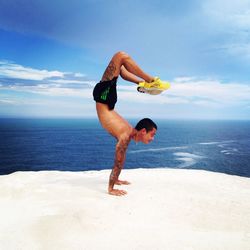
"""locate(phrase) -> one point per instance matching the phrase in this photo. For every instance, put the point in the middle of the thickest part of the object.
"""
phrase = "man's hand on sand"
(120, 182)
(117, 192)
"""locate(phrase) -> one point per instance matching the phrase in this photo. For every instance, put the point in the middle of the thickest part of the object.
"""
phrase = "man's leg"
(115, 67)
(126, 75)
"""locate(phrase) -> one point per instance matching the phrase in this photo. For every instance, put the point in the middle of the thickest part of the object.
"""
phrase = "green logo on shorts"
(104, 94)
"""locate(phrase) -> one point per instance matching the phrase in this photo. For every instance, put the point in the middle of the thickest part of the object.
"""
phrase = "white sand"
(164, 209)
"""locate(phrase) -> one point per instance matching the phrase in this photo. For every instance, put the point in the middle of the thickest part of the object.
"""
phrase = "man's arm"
(120, 155)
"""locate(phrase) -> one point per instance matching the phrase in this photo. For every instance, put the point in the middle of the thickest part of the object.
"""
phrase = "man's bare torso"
(113, 122)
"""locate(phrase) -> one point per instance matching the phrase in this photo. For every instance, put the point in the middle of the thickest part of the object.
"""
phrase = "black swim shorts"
(105, 92)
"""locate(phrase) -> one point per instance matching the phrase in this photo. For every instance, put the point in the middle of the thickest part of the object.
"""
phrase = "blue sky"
(53, 52)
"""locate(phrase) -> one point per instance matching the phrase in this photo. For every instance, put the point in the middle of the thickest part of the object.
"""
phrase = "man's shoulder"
(125, 136)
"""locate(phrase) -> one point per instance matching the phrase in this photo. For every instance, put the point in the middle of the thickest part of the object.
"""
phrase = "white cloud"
(212, 92)
(25, 79)
(183, 91)
(52, 91)
(184, 79)
(79, 75)
(12, 70)
(69, 81)
(129, 93)
(196, 91)
(8, 101)
(193, 91)
(201, 92)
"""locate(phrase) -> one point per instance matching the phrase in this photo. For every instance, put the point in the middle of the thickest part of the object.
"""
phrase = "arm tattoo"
(109, 72)
(120, 154)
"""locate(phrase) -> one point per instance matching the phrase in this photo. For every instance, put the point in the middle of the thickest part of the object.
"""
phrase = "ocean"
(82, 144)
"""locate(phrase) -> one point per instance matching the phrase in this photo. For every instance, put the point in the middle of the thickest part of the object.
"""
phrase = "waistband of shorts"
(113, 80)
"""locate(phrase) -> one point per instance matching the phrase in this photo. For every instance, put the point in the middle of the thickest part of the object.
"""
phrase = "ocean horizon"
(77, 144)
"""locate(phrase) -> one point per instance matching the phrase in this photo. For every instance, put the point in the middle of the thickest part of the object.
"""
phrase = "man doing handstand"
(105, 96)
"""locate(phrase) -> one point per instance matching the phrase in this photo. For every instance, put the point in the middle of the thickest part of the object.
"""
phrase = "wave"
(187, 162)
(188, 159)
(189, 155)
(156, 149)
(224, 145)
(209, 143)
(216, 142)
(229, 151)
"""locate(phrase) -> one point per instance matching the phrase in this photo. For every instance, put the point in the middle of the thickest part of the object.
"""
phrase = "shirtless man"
(105, 96)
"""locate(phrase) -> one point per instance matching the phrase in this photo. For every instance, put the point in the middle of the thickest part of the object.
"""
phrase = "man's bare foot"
(119, 182)
(117, 192)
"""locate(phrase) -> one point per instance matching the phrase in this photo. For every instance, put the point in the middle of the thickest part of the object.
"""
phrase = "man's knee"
(121, 56)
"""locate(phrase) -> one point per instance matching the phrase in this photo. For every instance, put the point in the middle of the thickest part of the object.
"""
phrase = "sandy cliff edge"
(164, 209)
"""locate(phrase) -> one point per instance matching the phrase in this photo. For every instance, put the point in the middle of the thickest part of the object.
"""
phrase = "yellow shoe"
(154, 88)
(158, 83)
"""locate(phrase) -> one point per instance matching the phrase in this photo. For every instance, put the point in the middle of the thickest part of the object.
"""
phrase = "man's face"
(147, 137)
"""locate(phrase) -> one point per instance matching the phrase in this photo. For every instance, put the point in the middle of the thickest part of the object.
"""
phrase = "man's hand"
(117, 192)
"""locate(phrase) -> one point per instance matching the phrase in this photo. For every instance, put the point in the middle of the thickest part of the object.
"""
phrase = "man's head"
(146, 130)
